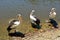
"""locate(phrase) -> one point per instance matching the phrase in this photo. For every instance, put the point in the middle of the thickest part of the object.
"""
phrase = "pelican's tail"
(37, 21)
(8, 29)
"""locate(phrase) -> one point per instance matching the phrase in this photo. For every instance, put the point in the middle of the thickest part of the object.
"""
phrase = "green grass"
(25, 27)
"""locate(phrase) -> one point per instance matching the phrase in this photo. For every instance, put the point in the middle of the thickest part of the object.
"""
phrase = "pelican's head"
(33, 10)
(19, 16)
(53, 9)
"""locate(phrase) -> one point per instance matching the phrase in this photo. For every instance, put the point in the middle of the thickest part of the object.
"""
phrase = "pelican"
(34, 20)
(52, 14)
(13, 23)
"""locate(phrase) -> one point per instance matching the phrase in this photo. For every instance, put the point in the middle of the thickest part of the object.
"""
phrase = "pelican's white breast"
(32, 18)
(17, 22)
(54, 13)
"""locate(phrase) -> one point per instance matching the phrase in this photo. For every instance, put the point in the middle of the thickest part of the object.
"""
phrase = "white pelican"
(34, 20)
(52, 13)
(13, 23)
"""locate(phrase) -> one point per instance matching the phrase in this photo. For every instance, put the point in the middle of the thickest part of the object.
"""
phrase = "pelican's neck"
(19, 18)
(52, 11)
(31, 13)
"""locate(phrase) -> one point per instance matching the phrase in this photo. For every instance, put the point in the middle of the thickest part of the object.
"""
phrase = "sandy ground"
(50, 34)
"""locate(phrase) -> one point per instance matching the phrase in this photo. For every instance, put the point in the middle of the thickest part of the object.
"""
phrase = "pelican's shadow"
(16, 34)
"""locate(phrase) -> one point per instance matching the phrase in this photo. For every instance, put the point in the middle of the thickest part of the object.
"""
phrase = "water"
(9, 8)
